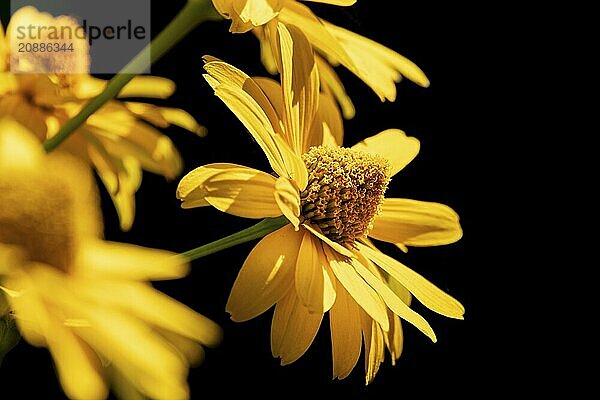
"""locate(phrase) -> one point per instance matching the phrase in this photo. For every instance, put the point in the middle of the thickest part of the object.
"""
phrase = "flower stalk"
(193, 14)
(257, 231)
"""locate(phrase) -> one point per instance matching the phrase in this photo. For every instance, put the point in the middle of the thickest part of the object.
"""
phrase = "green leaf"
(9, 335)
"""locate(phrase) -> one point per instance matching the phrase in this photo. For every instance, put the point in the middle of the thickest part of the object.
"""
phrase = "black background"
(443, 117)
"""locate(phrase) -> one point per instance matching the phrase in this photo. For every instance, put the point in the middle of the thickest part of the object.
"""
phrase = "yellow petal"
(99, 259)
(78, 367)
(295, 167)
(297, 14)
(231, 188)
(122, 178)
(249, 103)
(266, 276)
(28, 307)
(247, 14)
(162, 117)
(427, 293)
(374, 347)
(327, 126)
(225, 74)
(266, 54)
(19, 148)
(330, 82)
(288, 200)
(314, 286)
(393, 145)
(393, 302)
(416, 223)
(123, 135)
(335, 246)
(394, 338)
(360, 291)
(345, 327)
(146, 303)
(257, 12)
(293, 329)
(182, 119)
(300, 84)
(190, 349)
(146, 359)
(272, 89)
(378, 66)
(402, 64)
(148, 86)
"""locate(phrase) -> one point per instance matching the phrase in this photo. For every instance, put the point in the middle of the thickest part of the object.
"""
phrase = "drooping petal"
(99, 259)
(266, 276)
(293, 329)
(231, 188)
(346, 333)
(295, 13)
(314, 285)
(165, 116)
(427, 293)
(123, 136)
(394, 338)
(330, 82)
(393, 145)
(393, 302)
(360, 291)
(374, 347)
(377, 57)
(122, 178)
(416, 223)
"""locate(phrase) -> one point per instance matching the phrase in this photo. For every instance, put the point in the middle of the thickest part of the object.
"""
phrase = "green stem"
(259, 230)
(193, 14)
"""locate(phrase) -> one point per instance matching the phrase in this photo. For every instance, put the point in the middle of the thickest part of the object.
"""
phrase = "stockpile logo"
(77, 36)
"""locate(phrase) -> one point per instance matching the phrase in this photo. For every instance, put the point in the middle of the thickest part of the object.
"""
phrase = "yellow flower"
(87, 300)
(118, 140)
(378, 66)
(334, 198)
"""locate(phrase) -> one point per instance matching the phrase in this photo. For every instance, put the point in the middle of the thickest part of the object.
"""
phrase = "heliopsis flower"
(87, 300)
(378, 66)
(119, 140)
(333, 197)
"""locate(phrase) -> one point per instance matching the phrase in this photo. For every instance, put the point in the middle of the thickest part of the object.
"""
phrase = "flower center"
(36, 215)
(345, 190)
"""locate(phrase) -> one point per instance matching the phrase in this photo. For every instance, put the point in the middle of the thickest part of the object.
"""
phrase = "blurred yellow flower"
(378, 66)
(87, 300)
(119, 140)
(334, 199)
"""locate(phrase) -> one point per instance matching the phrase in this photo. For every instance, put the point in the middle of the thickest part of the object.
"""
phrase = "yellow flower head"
(334, 199)
(119, 140)
(87, 300)
(378, 66)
